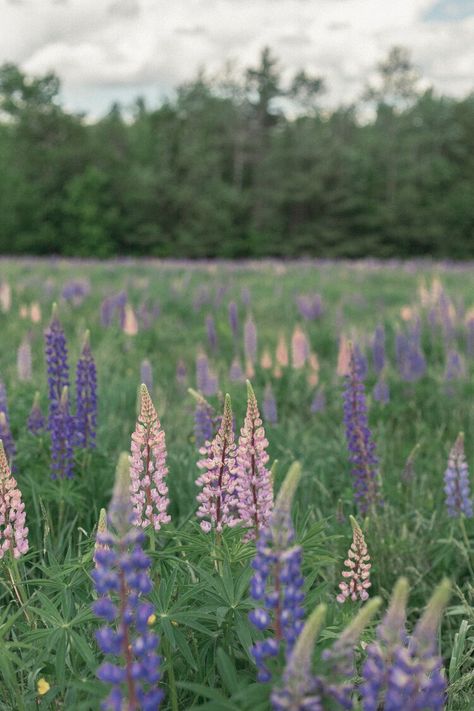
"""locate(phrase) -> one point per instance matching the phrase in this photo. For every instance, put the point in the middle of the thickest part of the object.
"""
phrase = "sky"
(106, 50)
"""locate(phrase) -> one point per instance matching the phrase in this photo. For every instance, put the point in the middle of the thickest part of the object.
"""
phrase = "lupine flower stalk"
(269, 406)
(381, 391)
(299, 348)
(281, 354)
(23, 361)
(36, 422)
(218, 503)
(62, 439)
(357, 576)
(86, 397)
(343, 357)
(277, 583)
(102, 530)
(250, 340)
(56, 363)
(254, 481)
(121, 581)
(456, 481)
(359, 441)
(13, 530)
(234, 318)
(148, 470)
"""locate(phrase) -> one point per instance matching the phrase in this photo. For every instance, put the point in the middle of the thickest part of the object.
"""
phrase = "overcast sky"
(117, 49)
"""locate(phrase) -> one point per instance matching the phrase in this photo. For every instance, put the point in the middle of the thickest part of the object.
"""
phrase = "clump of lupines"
(277, 583)
(56, 363)
(359, 441)
(121, 580)
(86, 397)
(357, 575)
(13, 531)
(148, 470)
(254, 487)
(36, 422)
(269, 405)
(456, 481)
(62, 439)
(6, 436)
(401, 671)
(217, 500)
(23, 361)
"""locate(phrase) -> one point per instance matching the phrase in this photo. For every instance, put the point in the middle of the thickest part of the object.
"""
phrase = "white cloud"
(136, 45)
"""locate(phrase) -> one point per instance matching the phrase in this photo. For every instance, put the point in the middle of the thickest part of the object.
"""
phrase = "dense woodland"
(237, 166)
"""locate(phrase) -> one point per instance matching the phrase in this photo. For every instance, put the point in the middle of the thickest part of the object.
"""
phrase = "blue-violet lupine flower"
(63, 432)
(56, 363)
(456, 481)
(86, 397)
(269, 406)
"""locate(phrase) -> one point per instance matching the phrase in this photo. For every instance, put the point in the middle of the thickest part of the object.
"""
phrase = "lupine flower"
(281, 355)
(101, 531)
(204, 422)
(130, 323)
(234, 318)
(456, 481)
(211, 332)
(357, 575)
(277, 583)
(146, 374)
(359, 441)
(310, 306)
(86, 397)
(218, 497)
(454, 370)
(411, 361)
(76, 291)
(35, 312)
(148, 470)
(318, 404)
(266, 360)
(62, 439)
(254, 480)
(56, 363)
(299, 348)
(23, 361)
(5, 297)
(13, 532)
(269, 406)
(378, 349)
(206, 380)
(361, 361)
(36, 421)
(381, 391)
(3, 399)
(7, 437)
(181, 372)
(250, 340)
(343, 357)
(121, 581)
(236, 374)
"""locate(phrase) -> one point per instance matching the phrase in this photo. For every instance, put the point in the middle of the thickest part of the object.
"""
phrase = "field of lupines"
(173, 537)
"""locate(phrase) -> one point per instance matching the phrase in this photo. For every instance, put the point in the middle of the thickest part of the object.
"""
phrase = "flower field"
(236, 486)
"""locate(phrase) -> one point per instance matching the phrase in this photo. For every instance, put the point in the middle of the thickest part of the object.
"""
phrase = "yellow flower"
(42, 686)
(151, 620)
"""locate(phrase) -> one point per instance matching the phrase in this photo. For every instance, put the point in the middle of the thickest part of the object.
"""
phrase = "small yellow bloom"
(42, 686)
(151, 620)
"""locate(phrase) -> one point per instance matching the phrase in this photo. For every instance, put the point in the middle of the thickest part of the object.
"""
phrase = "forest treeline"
(238, 167)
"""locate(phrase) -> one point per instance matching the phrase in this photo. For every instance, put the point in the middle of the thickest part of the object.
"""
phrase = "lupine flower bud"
(218, 497)
(266, 360)
(86, 397)
(35, 312)
(23, 361)
(13, 532)
(456, 481)
(101, 532)
(56, 363)
(148, 489)
(358, 567)
(5, 297)
(130, 323)
(318, 403)
(254, 482)
(62, 439)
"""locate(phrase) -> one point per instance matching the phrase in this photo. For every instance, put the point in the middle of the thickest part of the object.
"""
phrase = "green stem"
(173, 692)
(152, 540)
(217, 553)
(467, 544)
(18, 587)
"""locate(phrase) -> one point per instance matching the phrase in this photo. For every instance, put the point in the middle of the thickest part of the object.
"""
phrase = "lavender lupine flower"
(211, 332)
(454, 370)
(234, 319)
(56, 363)
(254, 480)
(121, 580)
(148, 470)
(236, 374)
(359, 441)
(204, 422)
(318, 403)
(411, 361)
(381, 391)
(361, 362)
(218, 497)
(269, 406)
(23, 361)
(76, 291)
(181, 373)
(36, 421)
(378, 349)
(277, 583)
(7, 437)
(310, 306)
(357, 575)
(146, 374)
(86, 397)
(456, 481)
(62, 439)
(13, 531)
(206, 381)
(250, 340)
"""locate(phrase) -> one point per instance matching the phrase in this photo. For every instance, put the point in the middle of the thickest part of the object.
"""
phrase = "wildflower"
(411, 361)
(359, 441)
(299, 348)
(358, 573)
(236, 374)
(5, 297)
(56, 363)
(378, 349)
(269, 407)
(86, 395)
(35, 312)
(254, 487)
(455, 369)
(250, 340)
(146, 374)
(281, 355)
(381, 391)
(42, 686)
(181, 372)
(23, 361)
(266, 360)
(234, 318)
(206, 381)
(13, 532)
(76, 291)
(62, 438)
(36, 422)
(121, 581)
(7, 437)
(361, 362)
(204, 422)
(343, 357)
(101, 532)
(218, 497)
(456, 481)
(277, 583)
(310, 306)
(148, 489)
(318, 403)
(211, 332)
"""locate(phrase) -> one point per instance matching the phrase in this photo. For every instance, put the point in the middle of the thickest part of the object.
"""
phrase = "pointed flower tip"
(400, 591)
(87, 339)
(355, 628)
(122, 475)
(355, 525)
(288, 488)
(303, 650)
(144, 390)
(250, 390)
(54, 312)
(102, 523)
(64, 395)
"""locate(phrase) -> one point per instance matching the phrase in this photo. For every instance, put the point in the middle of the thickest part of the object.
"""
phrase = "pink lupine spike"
(218, 499)
(358, 568)
(254, 480)
(148, 489)
(299, 348)
(13, 532)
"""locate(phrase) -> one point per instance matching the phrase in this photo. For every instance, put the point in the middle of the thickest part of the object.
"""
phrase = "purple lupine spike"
(36, 422)
(236, 374)
(13, 531)
(357, 576)
(254, 480)
(56, 363)
(361, 362)
(148, 470)
(381, 391)
(378, 349)
(181, 373)
(359, 441)
(23, 361)
(318, 403)
(211, 332)
(456, 481)
(86, 397)
(204, 379)
(217, 500)
(411, 361)
(454, 370)
(250, 340)
(234, 319)
(75, 291)
(7, 437)
(121, 578)
(146, 374)
(204, 422)
(62, 439)
(269, 406)
(277, 583)
(310, 306)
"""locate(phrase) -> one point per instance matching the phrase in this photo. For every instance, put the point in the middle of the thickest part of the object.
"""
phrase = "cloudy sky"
(117, 49)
